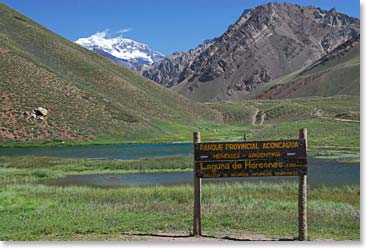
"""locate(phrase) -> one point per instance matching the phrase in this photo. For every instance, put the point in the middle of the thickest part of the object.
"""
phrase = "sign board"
(251, 159)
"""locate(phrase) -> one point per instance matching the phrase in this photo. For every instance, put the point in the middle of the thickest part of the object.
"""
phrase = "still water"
(107, 152)
(321, 171)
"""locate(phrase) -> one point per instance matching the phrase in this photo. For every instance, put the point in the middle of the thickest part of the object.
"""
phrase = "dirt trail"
(346, 120)
(262, 119)
(204, 238)
(340, 119)
(254, 117)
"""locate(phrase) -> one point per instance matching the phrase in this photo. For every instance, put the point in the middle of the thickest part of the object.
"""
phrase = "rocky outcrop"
(175, 68)
(336, 73)
(338, 52)
(36, 113)
(264, 44)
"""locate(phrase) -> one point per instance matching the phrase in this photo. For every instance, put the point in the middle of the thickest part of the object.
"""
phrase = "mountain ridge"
(264, 44)
(337, 73)
(175, 65)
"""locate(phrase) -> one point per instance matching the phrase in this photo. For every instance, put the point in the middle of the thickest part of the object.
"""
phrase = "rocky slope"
(175, 68)
(264, 44)
(337, 73)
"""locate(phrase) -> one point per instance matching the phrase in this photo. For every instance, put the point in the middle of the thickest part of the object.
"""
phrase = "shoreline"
(65, 144)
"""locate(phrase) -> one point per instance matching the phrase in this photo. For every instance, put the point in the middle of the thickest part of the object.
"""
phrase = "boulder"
(317, 113)
(40, 111)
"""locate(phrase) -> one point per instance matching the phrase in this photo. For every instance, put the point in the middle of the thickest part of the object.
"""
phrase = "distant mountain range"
(266, 43)
(121, 50)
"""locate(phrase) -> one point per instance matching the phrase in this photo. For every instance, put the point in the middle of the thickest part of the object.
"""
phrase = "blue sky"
(165, 25)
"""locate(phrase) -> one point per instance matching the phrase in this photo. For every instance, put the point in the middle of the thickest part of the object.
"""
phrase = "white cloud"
(106, 34)
(124, 30)
(102, 34)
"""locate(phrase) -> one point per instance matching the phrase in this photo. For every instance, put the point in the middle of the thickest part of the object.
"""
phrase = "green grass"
(321, 132)
(41, 212)
(328, 135)
(36, 168)
(31, 210)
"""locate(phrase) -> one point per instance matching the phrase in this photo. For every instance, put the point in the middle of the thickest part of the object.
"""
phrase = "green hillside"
(87, 96)
(332, 122)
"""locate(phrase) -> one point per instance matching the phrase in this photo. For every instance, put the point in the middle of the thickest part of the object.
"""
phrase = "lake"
(321, 171)
(106, 152)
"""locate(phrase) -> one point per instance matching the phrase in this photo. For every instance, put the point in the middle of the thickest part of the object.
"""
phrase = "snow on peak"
(120, 48)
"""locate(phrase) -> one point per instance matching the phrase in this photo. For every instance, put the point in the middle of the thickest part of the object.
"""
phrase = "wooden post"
(302, 197)
(197, 196)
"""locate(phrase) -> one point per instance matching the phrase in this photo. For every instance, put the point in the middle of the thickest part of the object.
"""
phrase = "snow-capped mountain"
(127, 52)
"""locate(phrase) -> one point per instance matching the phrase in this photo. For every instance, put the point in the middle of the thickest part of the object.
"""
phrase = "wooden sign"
(251, 168)
(280, 149)
(251, 159)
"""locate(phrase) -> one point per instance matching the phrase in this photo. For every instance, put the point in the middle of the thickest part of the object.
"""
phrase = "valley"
(96, 133)
(92, 100)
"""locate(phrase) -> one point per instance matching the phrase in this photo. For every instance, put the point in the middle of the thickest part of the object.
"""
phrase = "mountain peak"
(265, 43)
(127, 52)
(333, 11)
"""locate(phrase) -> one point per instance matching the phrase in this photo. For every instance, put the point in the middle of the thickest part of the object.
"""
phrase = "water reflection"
(320, 172)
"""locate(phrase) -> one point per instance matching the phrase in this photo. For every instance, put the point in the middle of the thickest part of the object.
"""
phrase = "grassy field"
(33, 210)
